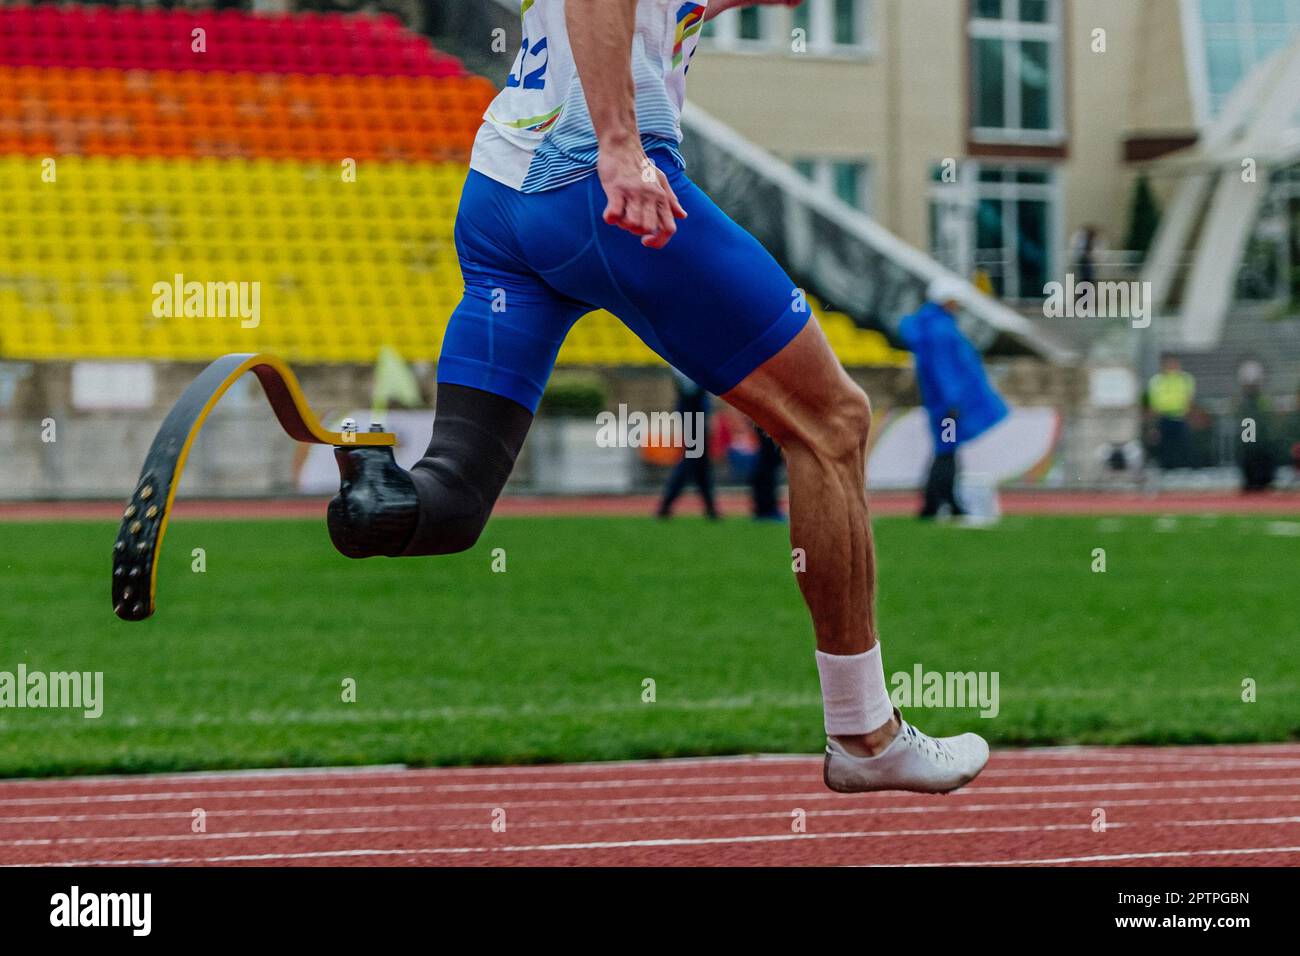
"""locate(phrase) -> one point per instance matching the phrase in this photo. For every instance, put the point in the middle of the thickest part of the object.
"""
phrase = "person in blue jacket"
(961, 403)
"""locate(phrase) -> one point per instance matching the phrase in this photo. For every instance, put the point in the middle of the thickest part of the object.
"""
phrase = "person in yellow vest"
(1170, 393)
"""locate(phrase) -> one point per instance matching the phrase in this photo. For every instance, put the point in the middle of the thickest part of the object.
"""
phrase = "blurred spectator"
(1202, 437)
(958, 398)
(1121, 455)
(692, 400)
(1084, 247)
(767, 469)
(1292, 439)
(1256, 454)
(753, 459)
(1169, 396)
(734, 440)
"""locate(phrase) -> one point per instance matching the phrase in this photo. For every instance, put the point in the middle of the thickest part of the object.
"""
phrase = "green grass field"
(244, 665)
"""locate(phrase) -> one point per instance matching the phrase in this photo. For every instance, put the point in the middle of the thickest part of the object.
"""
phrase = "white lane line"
(1171, 765)
(1107, 857)
(204, 837)
(373, 809)
(47, 799)
(977, 790)
(397, 768)
(260, 834)
(784, 815)
(530, 785)
(1168, 762)
(1230, 756)
(1123, 753)
(199, 776)
(679, 842)
(599, 845)
(1233, 821)
(620, 821)
(411, 788)
(417, 784)
(950, 802)
(995, 769)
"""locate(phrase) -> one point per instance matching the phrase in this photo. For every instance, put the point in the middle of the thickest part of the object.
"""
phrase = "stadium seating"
(226, 164)
(232, 41)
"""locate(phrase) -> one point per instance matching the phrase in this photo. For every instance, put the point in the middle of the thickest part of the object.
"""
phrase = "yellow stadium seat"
(340, 267)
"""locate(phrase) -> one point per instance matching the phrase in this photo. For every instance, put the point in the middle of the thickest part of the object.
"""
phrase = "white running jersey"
(537, 134)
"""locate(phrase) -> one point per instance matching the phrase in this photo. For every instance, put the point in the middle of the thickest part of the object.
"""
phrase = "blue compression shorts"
(712, 303)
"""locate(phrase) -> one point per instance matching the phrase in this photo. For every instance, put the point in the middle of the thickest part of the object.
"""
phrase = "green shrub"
(574, 395)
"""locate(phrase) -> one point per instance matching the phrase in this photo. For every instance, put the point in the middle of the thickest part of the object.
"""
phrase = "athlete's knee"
(843, 425)
(853, 414)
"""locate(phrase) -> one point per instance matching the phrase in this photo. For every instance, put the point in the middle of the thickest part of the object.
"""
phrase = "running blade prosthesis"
(139, 539)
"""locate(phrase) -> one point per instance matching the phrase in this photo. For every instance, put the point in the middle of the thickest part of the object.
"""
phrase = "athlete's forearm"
(638, 197)
(600, 35)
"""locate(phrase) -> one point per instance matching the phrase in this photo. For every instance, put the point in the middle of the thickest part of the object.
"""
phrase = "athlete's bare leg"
(805, 400)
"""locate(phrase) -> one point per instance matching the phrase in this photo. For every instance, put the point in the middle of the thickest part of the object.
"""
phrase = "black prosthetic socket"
(376, 506)
(476, 439)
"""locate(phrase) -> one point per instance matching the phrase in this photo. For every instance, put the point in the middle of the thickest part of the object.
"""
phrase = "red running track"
(732, 504)
(1206, 806)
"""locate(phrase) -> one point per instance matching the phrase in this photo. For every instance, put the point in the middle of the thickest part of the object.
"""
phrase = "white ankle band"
(853, 692)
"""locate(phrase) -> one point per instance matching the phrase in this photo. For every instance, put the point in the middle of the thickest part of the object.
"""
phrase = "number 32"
(536, 79)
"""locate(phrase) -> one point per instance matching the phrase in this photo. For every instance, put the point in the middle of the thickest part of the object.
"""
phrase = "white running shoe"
(912, 761)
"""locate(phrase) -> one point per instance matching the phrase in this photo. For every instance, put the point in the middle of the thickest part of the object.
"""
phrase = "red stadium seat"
(129, 38)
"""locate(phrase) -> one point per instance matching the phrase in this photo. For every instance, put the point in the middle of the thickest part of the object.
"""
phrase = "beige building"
(986, 132)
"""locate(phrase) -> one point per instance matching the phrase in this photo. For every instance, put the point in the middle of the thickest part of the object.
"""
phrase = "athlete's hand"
(639, 197)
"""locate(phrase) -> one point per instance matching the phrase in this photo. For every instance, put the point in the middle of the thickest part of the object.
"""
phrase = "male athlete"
(577, 199)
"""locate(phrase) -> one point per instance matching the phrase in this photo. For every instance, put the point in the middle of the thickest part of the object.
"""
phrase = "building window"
(818, 27)
(751, 22)
(801, 19)
(1227, 39)
(849, 23)
(749, 29)
(1001, 220)
(1016, 72)
(847, 180)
